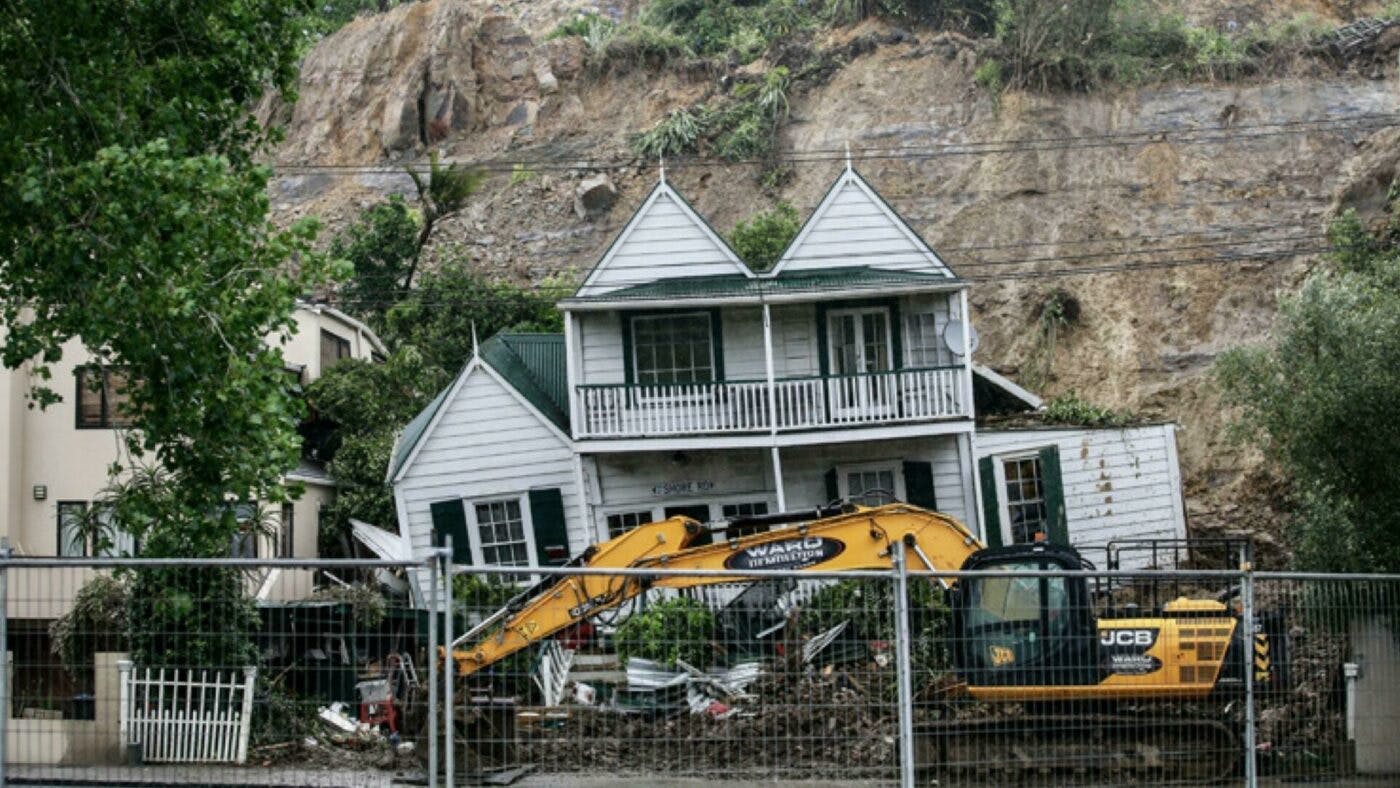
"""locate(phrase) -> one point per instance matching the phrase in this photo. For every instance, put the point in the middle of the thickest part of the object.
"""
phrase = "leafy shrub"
(367, 605)
(869, 607)
(637, 44)
(760, 240)
(677, 133)
(582, 25)
(98, 621)
(669, 630)
(191, 618)
(482, 593)
(1071, 409)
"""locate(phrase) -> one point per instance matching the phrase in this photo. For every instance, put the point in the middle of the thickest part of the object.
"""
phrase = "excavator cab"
(1010, 630)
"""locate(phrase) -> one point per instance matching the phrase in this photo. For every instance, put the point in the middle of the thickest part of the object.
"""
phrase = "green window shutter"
(551, 532)
(450, 517)
(629, 373)
(991, 509)
(1054, 495)
(918, 485)
(833, 490)
(717, 342)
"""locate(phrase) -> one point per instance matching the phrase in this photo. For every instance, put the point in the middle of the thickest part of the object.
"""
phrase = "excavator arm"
(860, 539)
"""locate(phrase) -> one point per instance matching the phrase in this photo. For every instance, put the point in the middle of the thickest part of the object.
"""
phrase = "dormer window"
(673, 348)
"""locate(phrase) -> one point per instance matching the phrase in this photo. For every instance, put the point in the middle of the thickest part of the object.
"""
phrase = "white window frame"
(709, 342)
(943, 357)
(527, 524)
(999, 462)
(857, 312)
(604, 534)
(895, 467)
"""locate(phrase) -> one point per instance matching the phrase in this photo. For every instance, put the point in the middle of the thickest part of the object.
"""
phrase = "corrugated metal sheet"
(535, 366)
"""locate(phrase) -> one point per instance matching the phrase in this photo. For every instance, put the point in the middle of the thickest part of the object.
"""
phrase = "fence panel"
(197, 672)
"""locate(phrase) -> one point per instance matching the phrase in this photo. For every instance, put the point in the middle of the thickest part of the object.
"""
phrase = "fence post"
(1251, 775)
(124, 699)
(250, 674)
(448, 663)
(903, 668)
(5, 655)
(433, 588)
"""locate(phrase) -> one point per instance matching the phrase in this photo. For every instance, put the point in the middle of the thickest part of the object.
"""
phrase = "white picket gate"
(178, 717)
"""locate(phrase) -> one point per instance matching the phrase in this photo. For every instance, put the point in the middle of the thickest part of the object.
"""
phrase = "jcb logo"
(1001, 655)
(1127, 637)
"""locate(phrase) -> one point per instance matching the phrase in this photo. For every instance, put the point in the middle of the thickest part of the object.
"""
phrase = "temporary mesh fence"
(336, 673)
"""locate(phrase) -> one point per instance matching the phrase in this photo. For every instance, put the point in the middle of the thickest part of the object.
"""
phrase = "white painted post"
(768, 369)
(124, 699)
(244, 723)
(778, 479)
(571, 376)
(967, 354)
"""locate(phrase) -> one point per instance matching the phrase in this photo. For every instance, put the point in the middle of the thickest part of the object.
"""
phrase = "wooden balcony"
(742, 406)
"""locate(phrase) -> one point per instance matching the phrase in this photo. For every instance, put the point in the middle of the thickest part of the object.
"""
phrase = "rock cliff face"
(1217, 194)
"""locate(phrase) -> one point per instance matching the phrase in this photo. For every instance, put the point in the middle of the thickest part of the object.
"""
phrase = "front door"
(697, 512)
(860, 348)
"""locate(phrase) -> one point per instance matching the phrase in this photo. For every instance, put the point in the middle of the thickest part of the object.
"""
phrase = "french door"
(860, 346)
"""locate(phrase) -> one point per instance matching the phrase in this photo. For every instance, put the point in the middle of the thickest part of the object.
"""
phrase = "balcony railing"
(641, 410)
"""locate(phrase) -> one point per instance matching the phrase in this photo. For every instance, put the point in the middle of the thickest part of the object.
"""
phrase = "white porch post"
(772, 405)
(571, 359)
(967, 353)
(778, 479)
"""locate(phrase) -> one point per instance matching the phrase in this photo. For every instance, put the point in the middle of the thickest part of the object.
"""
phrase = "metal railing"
(744, 406)
(872, 677)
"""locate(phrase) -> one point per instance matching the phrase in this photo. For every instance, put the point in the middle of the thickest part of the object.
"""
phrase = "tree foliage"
(760, 240)
(380, 245)
(671, 629)
(137, 224)
(1320, 400)
(431, 336)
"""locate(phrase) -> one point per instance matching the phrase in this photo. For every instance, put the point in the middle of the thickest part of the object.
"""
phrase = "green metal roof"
(533, 364)
(737, 285)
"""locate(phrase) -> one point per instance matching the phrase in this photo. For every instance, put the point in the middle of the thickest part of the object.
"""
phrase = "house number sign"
(683, 487)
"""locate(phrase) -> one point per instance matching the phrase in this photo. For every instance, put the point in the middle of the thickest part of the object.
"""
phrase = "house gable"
(664, 239)
(854, 226)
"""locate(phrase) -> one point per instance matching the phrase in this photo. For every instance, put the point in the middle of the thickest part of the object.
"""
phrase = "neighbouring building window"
(924, 332)
(871, 486)
(245, 544)
(1025, 498)
(744, 509)
(71, 541)
(673, 348)
(334, 349)
(103, 398)
(622, 522)
(286, 539)
(500, 528)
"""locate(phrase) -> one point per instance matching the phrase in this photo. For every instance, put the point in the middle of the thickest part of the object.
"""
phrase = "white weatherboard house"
(687, 383)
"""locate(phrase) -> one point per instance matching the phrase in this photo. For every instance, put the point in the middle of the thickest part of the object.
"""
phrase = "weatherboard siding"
(486, 444)
(853, 228)
(663, 242)
(1118, 483)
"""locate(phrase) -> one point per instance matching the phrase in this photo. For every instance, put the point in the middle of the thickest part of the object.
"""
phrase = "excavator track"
(1090, 749)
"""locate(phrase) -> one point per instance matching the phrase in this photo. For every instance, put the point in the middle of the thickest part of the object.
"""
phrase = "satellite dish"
(953, 336)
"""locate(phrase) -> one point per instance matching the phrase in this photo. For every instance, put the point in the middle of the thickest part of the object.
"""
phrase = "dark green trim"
(833, 486)
(629, 366)
(991, 505)
(918, 485)
(548, 522)
(450, 517)
(1054, 490)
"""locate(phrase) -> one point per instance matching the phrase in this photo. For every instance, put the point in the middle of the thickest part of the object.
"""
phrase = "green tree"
(1321, 398)
(760, 240)
(137, 223)
(380, 245)
(431, 336)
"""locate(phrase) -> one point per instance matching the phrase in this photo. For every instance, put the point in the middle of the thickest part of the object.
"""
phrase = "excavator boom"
(860, 539)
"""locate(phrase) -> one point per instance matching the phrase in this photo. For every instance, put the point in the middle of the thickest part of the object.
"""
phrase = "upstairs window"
(501, 532)
(334, 349)
(104, 398)
(673, 348)
(924, 338)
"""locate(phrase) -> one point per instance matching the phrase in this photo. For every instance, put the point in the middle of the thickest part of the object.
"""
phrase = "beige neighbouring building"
(55, 461)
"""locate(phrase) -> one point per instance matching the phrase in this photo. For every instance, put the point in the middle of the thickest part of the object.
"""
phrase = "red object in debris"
(377, 704)
(716, 709)
(576, 636)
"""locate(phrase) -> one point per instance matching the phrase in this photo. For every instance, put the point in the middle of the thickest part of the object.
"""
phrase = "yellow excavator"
(1034, 640)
